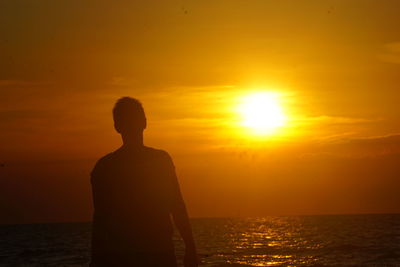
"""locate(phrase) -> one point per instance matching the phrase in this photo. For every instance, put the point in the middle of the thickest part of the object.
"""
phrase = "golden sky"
(335, 65)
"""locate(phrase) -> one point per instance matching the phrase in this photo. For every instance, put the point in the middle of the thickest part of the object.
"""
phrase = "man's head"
(129, 117)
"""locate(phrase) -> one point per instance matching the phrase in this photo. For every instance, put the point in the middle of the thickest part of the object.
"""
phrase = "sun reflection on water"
(295, 241)
(261, 242)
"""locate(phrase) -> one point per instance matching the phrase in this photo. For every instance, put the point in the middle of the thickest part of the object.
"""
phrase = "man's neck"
(133, 140)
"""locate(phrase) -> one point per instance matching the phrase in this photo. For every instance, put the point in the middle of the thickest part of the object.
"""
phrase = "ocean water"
(329, 240)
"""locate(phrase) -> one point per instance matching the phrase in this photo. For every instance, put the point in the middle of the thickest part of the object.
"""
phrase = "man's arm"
(181, 220)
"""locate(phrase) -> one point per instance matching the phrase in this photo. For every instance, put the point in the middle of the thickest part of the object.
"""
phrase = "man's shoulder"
(161, 157)
(105, 158)
(156, 152)
(102, 162)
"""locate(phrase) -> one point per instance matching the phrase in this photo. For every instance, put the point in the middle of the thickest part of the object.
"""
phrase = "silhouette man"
(135, 194)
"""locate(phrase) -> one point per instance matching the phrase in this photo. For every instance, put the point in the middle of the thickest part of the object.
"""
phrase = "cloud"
(375, 146)
(21, 83)
(391, 53)
(336, 120)
(387, 144)
(15, 115)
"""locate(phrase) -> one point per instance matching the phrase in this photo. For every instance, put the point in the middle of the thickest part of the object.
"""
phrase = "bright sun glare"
(261, 112)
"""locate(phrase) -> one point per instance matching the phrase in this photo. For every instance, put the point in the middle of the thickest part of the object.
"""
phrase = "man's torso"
(132, 193)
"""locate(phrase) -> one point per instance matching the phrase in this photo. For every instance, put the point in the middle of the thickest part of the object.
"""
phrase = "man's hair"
(129, 110)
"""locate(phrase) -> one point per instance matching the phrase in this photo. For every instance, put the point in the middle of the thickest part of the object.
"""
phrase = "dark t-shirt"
(134, 191)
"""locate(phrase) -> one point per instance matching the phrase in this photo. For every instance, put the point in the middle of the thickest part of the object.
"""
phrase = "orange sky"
(336, 63)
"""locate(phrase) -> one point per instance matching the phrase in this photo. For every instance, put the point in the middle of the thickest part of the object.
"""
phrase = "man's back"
(134, 191)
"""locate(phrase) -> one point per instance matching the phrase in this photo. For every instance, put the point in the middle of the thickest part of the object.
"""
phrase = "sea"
(326, 240)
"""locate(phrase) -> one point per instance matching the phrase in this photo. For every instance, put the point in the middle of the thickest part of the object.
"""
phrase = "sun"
(261, 112)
